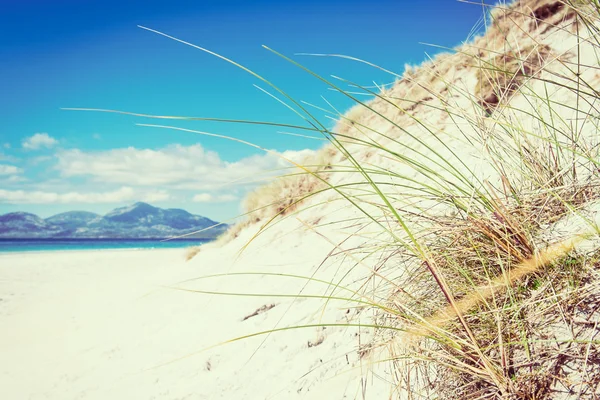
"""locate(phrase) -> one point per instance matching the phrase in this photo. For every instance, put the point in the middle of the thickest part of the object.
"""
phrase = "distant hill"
(20, 224)
(72, 219)
(140, 220)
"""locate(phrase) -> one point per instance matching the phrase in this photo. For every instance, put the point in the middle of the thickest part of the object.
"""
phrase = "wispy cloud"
(123, 194)
(12, 179)
(39, 141)
(175, 167)
(9, 170)
(173, 174)
(156, 196)
(210, 198)
(6, 157)
(40, 159)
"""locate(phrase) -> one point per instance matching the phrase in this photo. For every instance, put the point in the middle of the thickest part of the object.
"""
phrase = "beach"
(108, 324)
(443, 243)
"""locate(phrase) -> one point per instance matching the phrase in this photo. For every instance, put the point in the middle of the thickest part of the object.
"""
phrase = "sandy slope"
(98, 325)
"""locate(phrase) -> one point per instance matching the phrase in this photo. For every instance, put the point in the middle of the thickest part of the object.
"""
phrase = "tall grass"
(455, 180)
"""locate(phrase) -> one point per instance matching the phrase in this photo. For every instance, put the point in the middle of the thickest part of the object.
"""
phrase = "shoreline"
(76, 251)
(35, 246)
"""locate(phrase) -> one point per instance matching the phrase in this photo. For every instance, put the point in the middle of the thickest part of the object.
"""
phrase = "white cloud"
(38, 141)
(39, 197)
(156, 197)
(6, 145)
(5, 157)
(97, 136)
(130, 174)
(9, 169)
(174, 167)
(209, 198)
(40, 159)
(16, 179)
(203, 198)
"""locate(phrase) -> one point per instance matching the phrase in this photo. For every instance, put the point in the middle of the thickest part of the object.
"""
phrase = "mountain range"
(140, 220)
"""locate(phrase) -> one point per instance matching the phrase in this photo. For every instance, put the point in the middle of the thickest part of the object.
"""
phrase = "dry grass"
(192, 252)
(285, 193)
(498, 314)
(541, 337)
(506, 72)
(491, 310)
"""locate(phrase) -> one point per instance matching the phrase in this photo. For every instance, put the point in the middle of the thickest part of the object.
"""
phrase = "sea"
(22, 245)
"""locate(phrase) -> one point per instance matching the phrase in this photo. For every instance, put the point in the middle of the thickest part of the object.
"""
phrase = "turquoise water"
(14, 245)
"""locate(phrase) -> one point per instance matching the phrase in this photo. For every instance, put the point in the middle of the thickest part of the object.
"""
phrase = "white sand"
(99, 325)
(102, 324)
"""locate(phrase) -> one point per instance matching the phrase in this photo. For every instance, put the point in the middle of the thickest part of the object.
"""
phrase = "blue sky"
(91, 54)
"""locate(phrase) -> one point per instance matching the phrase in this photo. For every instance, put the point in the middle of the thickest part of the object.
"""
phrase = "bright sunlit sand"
(105, 324)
